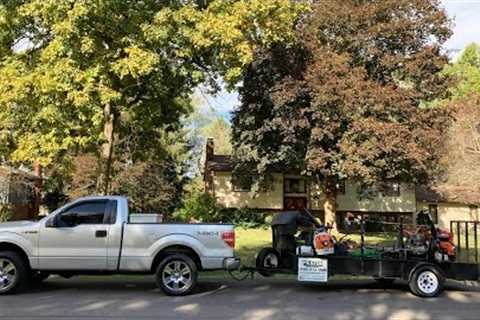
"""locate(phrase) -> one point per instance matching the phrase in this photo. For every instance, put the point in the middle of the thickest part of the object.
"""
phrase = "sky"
(466, 29)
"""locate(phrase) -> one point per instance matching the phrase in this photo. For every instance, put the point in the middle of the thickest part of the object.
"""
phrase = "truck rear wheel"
(13, 272)
(426, 281)
(177, 275)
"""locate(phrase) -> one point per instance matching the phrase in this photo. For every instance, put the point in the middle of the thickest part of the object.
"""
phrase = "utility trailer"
(423, 254)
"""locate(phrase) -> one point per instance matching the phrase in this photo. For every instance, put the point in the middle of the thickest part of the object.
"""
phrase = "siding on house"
(20, 191)
(349, 201)
(227, 197)
(448, 211)
(273, 199)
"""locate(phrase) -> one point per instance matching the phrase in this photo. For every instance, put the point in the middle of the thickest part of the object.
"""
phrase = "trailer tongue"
(423, 255)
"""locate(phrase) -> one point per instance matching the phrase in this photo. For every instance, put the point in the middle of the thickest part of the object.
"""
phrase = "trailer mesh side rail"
(466, 238)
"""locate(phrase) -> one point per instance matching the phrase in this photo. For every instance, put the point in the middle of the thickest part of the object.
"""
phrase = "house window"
(391, 190)
(340, 187)
(293, 185)
(241, 186)
(433, 210)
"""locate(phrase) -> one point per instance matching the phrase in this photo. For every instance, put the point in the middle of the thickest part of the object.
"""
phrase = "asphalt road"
(121, 298)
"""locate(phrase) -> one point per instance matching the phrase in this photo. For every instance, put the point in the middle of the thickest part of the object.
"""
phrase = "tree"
(79, 75)
(151, 186)
(348, 101)
(463, 144)
(467, 71)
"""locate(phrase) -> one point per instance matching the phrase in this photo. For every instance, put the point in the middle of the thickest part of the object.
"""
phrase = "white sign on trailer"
(312, 270)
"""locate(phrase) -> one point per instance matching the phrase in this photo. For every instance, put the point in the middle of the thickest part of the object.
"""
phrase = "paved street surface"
(137, 298)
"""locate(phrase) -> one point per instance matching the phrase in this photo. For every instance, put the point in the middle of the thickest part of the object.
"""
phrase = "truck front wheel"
(13, 272)
(177, 275)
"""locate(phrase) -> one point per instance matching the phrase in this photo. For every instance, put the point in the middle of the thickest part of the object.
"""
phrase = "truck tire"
(13, 272)
(267, 258)
(426, 281)
(177, 275)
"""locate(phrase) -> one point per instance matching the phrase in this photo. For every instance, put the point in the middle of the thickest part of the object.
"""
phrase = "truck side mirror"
(69, 220)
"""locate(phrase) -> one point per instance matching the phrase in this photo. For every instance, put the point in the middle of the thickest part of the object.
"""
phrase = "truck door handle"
(101, 234)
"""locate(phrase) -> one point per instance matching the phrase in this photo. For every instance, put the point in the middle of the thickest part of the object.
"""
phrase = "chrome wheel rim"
(177, 276)
(270, 261)
(8, 274)
(427, 282)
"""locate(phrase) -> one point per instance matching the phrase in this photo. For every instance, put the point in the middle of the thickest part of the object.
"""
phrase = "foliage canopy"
(347, 101)
(77, 75)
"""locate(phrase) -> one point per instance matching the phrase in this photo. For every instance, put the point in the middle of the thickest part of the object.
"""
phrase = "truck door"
(77, 237)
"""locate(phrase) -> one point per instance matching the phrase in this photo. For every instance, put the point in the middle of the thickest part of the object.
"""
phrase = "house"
(393, 203)
(447, 203)
(19, 193)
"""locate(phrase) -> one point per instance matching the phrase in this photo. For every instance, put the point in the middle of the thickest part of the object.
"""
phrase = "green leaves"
(76, 75)
(137, 63)
(224, 36)
(467, 71)
(345, 102)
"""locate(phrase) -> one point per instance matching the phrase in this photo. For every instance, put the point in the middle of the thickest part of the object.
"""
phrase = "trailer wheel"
(267, 258)
(177, 275)
(426, 281)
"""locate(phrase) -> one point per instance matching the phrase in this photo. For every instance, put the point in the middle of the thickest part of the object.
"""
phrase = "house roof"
(448, 193)
(220, 163)
(7, 170)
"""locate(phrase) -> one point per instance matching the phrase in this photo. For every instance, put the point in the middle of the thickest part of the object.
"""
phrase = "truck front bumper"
(231, 263)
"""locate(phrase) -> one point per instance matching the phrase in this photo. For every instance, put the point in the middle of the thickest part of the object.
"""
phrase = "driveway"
(137, 298)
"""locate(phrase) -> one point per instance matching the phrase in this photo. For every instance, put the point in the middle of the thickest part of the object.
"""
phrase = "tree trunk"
(37, 189)
(330, 204)
(330, 208)
(107, 150)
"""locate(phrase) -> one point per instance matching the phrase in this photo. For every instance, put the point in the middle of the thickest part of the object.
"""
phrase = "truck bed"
(142, 241)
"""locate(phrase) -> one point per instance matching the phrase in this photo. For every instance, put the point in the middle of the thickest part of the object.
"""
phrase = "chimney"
(210, 151)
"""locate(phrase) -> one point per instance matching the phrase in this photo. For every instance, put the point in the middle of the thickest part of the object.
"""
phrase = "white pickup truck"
(94, 235)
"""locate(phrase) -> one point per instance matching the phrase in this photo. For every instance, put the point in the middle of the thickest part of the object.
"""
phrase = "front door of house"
(295, 193)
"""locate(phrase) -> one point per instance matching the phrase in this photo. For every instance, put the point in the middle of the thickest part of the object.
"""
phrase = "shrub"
(199, 206)
(243, 217)
(202, 207)
(5, 213)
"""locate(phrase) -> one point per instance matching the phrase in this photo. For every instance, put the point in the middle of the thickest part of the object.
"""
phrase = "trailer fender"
(423, 264)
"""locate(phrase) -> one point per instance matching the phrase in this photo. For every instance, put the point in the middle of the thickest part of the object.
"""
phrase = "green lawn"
(249, 242)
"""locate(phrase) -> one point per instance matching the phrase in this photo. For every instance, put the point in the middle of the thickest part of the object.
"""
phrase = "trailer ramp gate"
(466, 235)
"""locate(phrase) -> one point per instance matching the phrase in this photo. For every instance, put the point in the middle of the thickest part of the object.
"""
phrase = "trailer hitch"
(243, 273)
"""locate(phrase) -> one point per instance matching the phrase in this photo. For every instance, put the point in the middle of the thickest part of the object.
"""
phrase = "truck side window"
(84, 213)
